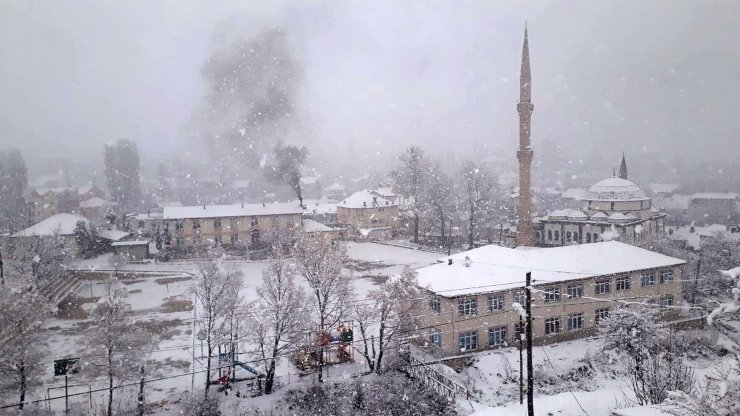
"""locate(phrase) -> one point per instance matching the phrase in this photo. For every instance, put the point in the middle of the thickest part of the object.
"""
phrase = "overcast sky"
(607, 76)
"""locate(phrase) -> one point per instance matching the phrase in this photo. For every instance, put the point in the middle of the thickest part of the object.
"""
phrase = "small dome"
(615, 189)
(599, 216)
(577, 215)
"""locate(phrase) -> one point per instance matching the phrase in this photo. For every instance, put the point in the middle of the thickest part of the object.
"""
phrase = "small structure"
(319, 232)
(368, 216)
(135, 250)
(334, 343)
(62, 225)
(714, 208)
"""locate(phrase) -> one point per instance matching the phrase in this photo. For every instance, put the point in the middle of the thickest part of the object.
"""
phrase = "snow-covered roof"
(311, 226)
(236, 210)
(113, 235)
(365, 199)
(82, 190)
(164, 204)
(574, 193)
(677, 202)
(63, 223)
(572, 214)
(499, 268)
(54, 190)
(149, 216)
(334, 187)
(95, 202)
(599, 215)
(319, 206)
(714, 195)
(131, 243)
(663, 188)
(615, 189)
(618, 217)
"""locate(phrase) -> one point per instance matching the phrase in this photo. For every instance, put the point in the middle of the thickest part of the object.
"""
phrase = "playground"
(161, 299)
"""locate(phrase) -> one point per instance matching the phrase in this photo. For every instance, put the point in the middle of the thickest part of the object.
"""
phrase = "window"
(217, 223)
(552, 326)
(557, 235)
(234, 224)
(497, 336)
(575, 237)
(575, 321)
(552, 294)
(549, 234)
(435, 337)
(255, 221)
(603, 286)
(234, 238)
(196, 239)
(666, 301)
(495, 303)
(568, 236)
(468, 340)
(217, 240)
(179, 242)
(467, 306)
(666, 276)
(434, 304)
(600, 314)
(596, 237)
(647, 279)
(574, 290)
(588, 237)
(178, 225)
(624, 283)
(520, 297)
(196, 224)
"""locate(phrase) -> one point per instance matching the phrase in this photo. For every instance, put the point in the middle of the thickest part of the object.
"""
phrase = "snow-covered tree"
(36, 261)
(13, 182)
(409, 180)
(122, 173)
(217, 290)
(731, 306)
(89, 243)
(118, 346)
(440, 198)
(476, 186)
(321, 263)
(388, 317)
(718, 398)
(278, 317)
(22, 315)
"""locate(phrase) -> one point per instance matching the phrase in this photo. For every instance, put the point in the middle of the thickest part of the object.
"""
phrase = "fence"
(440, 383)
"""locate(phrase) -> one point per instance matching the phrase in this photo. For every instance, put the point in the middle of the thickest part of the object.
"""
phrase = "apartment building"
(472, 293)
(251, 225)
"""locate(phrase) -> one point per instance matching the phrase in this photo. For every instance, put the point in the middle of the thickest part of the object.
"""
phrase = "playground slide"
(248, 368)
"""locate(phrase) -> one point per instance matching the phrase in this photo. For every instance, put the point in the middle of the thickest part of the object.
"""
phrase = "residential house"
(367, 216)
(472, 294)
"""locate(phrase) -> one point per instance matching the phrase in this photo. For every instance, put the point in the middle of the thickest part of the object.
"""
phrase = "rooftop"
(311, 226)
(615, 189)
(365, 199)
(64, 224)
(236, 210)
(499, 268)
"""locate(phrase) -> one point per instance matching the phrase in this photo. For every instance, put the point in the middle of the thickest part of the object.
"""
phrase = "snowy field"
(161, 299)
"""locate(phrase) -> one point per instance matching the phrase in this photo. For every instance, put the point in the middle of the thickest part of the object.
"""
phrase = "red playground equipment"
(334, 343)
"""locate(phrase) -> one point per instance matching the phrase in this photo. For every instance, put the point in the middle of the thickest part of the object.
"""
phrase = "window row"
(218, 223)
(554, 235)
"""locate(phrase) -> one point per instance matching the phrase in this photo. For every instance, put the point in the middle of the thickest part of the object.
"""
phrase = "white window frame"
(501, 331)
(575, 321)
(496, 302)
(467, 306)
(552, 326)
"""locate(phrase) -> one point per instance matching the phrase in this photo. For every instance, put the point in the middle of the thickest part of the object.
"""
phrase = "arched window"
(549, 234)
(568, 235)
(588, 237)
(557, 235)
(596, 237)
(575, 237)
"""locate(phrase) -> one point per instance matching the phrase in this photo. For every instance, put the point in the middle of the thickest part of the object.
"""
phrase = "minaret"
(623, 168)
(525, 230)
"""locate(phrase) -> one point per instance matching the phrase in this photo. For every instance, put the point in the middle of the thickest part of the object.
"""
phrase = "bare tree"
(476, 186)
(439, 198)
(38, 260)
(287, 167)
(321, 263)
(279, 316)
(21, 340)
(392, 312)
(409, 180)
(118, 345)
(217, 290)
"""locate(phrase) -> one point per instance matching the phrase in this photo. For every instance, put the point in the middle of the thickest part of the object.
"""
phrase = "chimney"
(242, 204)
(449, 262)
(468, 262)
(263, 205)
(204, 206)
(364, 203)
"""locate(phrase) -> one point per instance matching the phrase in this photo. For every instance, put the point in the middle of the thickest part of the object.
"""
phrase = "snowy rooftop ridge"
(235, 210)
(615, 189)
(63, 223)
(365, 199)
(495, 268)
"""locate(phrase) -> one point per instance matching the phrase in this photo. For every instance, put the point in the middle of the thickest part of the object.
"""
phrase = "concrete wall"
(451, 324)
(266, 227)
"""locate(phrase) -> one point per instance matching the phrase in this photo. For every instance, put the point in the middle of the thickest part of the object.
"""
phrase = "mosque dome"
(615, 189)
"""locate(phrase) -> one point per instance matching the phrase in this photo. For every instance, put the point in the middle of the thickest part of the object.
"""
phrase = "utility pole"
(449, 237)
(2, 275)
(696, 276)
(521, 361)
(530, 370)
